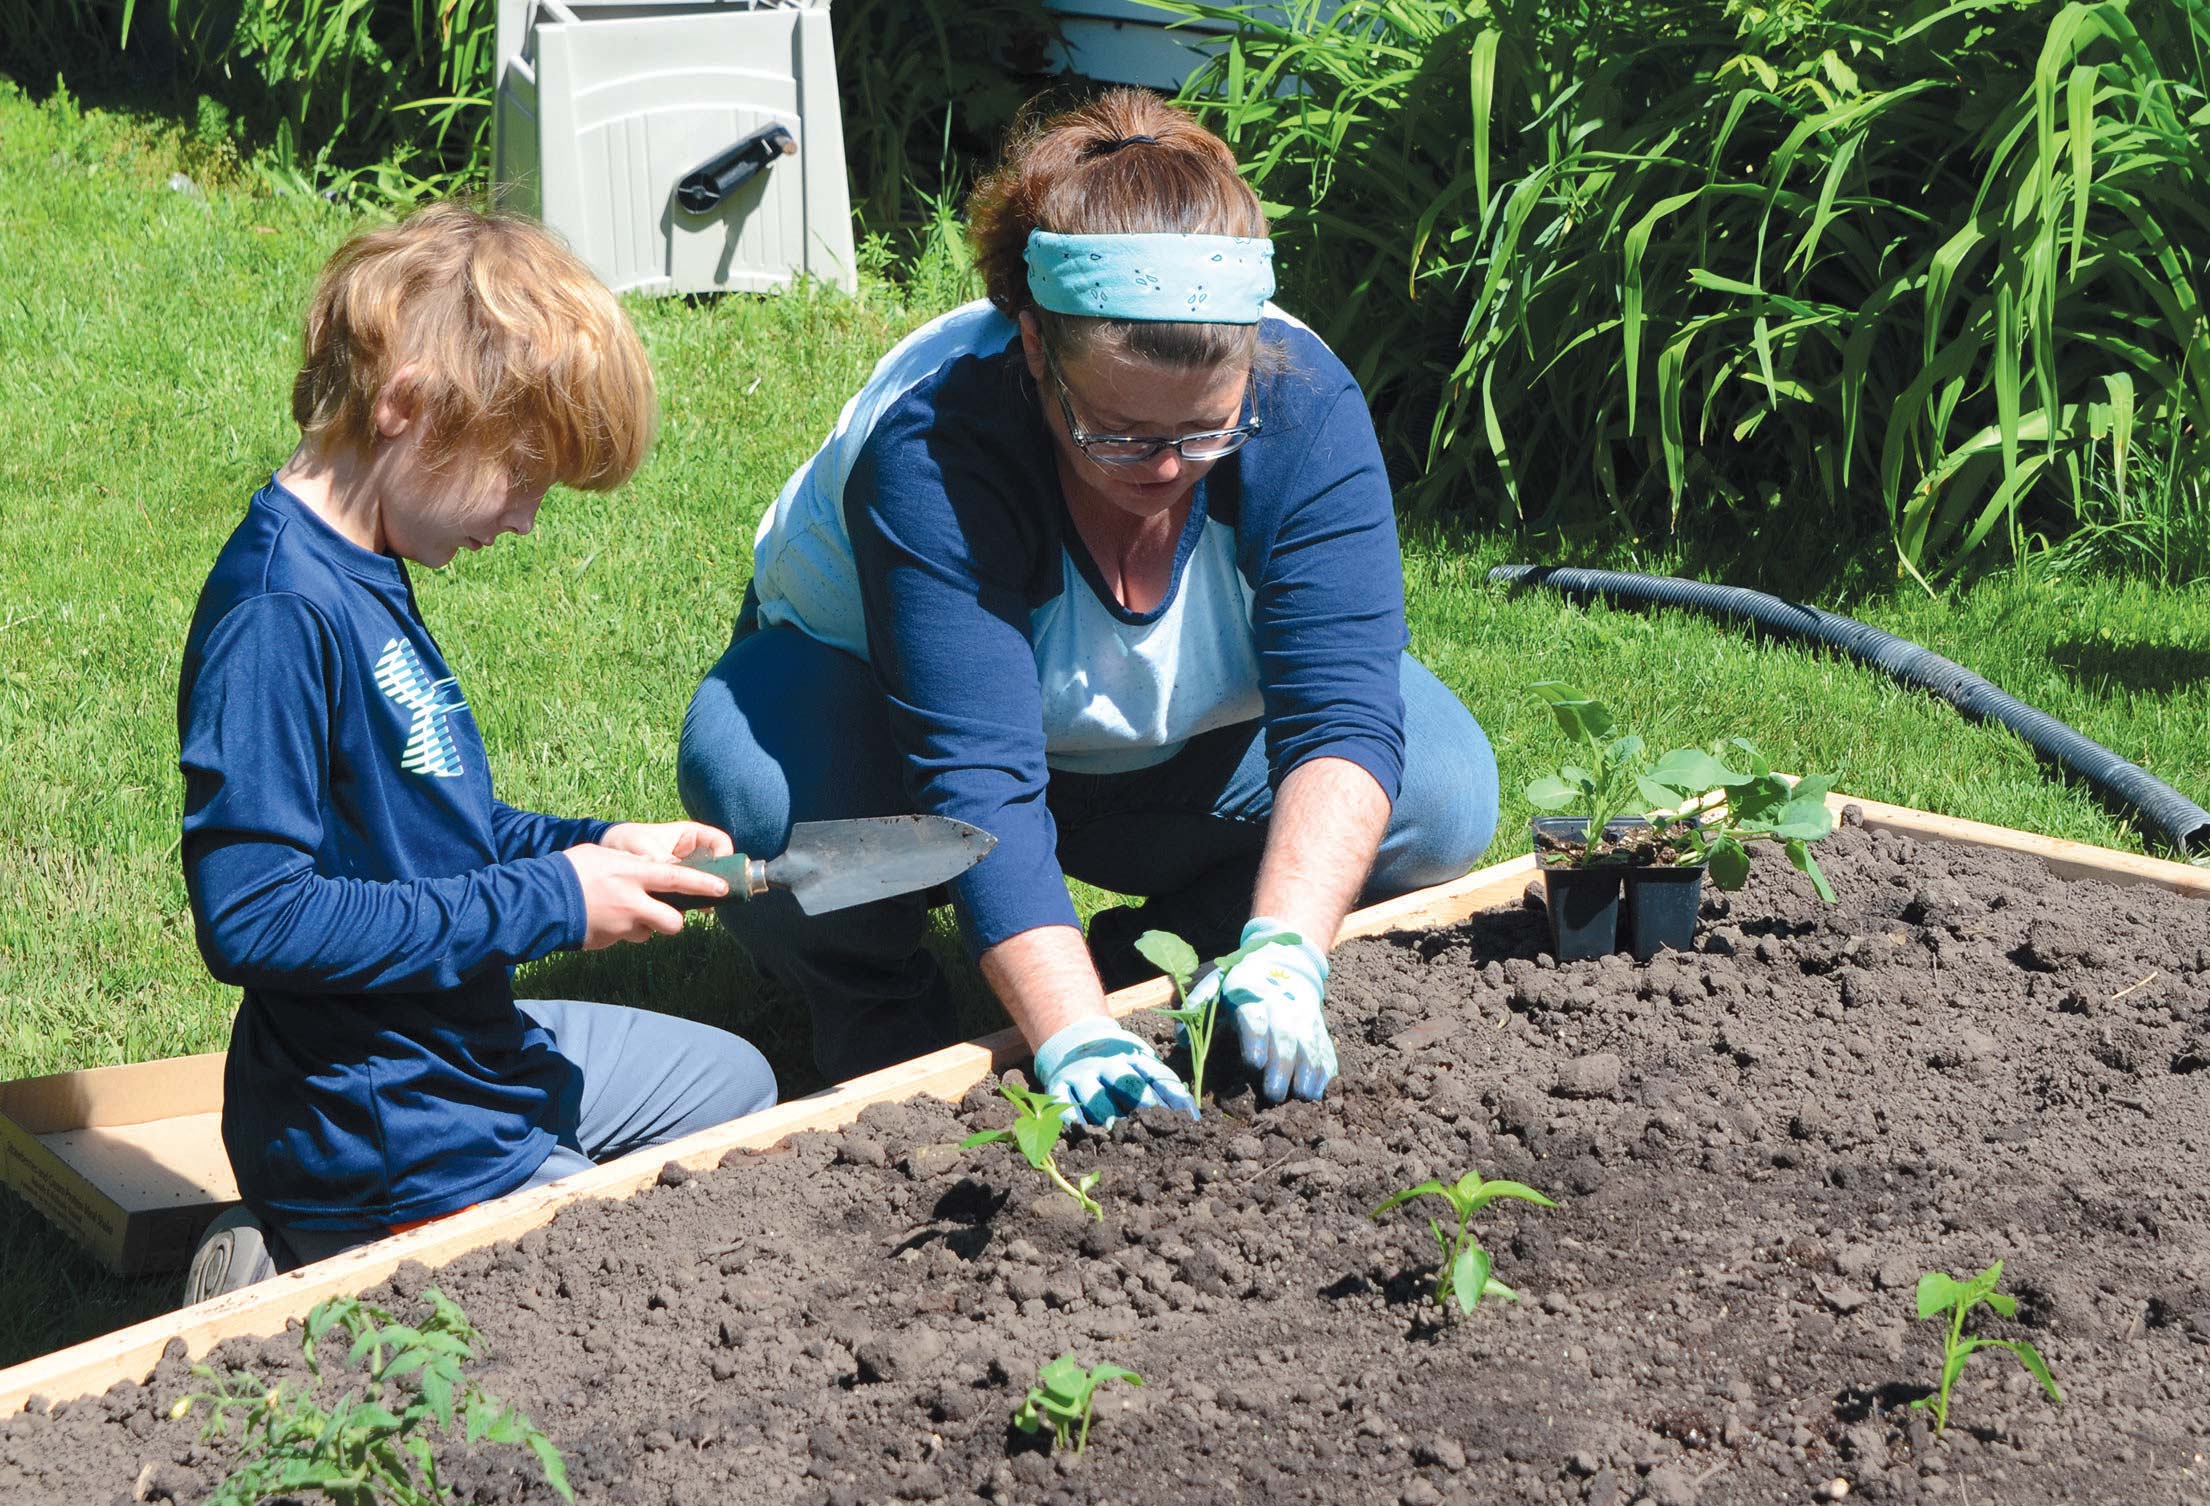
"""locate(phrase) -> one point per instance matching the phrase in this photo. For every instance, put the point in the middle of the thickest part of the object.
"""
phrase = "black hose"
(2184, 824)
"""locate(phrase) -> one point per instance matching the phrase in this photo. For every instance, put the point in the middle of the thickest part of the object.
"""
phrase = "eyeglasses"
(1135, 449)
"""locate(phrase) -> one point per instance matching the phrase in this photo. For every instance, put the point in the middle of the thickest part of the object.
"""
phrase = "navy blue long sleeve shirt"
(930, 536)
(351, 870)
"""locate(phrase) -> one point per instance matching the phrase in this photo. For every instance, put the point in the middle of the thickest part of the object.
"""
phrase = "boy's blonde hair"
(520, 355)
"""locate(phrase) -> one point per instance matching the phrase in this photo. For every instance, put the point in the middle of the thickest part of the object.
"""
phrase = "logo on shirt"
(430, 747)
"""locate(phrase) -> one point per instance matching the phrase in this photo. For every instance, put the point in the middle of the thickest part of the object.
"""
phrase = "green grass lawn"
(147, 341)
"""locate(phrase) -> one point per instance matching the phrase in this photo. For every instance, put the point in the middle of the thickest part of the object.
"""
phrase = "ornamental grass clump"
(1464, 1276)
(376, 1446)
(1036, 1132)
(1925, 274)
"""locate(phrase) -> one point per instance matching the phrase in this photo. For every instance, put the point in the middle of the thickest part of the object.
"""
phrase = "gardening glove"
(1101, 1072)
(1275, 992)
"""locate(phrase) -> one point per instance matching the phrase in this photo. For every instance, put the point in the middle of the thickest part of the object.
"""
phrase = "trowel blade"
(832, 864)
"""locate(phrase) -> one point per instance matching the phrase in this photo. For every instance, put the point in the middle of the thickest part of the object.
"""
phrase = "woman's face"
(1109, 392)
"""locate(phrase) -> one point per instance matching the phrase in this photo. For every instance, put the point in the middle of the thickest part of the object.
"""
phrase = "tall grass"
(383, 99)
(1657, 266)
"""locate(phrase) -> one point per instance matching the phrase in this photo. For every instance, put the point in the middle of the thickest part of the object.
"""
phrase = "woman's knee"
(722, 774)
(1446, 807)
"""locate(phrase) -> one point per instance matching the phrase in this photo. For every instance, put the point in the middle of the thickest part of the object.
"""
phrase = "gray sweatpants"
(647, 1078)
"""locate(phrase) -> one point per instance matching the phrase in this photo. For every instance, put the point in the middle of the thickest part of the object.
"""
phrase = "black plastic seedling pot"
(1662, 903)
(1582, 903)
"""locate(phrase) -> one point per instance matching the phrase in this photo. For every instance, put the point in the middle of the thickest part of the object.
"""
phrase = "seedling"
(1064, 1396)
(1939, 1294)
(1600, 792)
(1760, 807)
(1464, 1274)
(1036, 1132)
(1178, 960)
(376, 1445)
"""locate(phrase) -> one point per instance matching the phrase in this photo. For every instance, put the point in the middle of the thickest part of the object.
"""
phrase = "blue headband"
(1193, 279)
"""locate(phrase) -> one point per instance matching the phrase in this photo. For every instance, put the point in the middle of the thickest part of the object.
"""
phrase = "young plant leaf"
(1170, 955)
(1729, 862)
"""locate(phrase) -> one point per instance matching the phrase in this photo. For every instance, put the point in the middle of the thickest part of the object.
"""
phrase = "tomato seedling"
(1939, 1294)
(1178, 960)
(375, 1445)
(1063, 1398)
(1464, 1274)
(1036, 1132)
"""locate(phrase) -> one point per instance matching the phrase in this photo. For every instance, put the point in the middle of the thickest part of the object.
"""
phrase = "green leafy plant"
(1063, 1398)
(1036, 1132)
(1807, 270)
(1176, 958)
(1940, 1295)
(1670, 793)
(1761, 806)
(376, 1444)
(1464, 1276)
(1602, 790)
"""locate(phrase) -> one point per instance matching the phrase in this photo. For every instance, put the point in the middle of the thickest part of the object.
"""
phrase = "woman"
(1106, 565)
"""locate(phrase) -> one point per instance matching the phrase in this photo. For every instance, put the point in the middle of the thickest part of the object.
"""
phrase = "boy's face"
(428, 516)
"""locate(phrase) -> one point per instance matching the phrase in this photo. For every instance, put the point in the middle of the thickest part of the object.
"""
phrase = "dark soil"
(1757, 1147)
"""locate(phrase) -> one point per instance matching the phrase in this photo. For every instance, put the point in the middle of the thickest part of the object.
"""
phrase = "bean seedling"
(1063, 1398)
(1178, 960)
(1600, 792)
(1464, 1274)
(1761, 806)
(1939, 1294)
(375, 1445)
(1036, 1132)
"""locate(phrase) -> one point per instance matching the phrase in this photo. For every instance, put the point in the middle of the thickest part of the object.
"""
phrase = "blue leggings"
(787, 729)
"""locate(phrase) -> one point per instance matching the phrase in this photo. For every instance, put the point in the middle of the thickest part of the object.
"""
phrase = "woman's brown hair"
(1125, 163)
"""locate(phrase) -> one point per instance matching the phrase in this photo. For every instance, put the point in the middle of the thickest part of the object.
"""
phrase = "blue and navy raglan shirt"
(929, 536)
(350, 869)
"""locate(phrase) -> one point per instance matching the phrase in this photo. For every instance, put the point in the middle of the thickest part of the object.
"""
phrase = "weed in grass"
(1064, 1396)
(1464, 1276)
(1036, 1132)
(377, 1444)
(1940, 1295)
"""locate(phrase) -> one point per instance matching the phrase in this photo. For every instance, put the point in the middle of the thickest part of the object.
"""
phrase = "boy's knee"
(744, 1081)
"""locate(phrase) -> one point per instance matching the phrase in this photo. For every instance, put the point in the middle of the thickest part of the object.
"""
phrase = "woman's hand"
(667, 841)
(1274, 990)
(1100, 1072)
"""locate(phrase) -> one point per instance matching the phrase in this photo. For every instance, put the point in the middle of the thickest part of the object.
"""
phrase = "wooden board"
(131, 1353)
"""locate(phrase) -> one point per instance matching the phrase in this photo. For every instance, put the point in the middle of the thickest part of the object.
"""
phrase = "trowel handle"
(746, 877)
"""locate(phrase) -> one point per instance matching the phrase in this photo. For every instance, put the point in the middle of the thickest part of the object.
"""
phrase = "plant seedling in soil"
(1178, 960)
(1036, 1132)
(1939, 1294)
(376, 1444)
(1064, 1396)
(1464, 1274)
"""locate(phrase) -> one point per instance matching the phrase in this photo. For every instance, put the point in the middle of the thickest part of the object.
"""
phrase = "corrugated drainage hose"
(2183, 823)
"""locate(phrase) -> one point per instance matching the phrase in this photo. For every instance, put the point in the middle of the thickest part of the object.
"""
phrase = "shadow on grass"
(53, 1295)
(704, 975)
(2153, 668)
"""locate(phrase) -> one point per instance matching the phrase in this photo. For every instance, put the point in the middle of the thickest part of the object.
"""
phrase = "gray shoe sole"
(232, 1255)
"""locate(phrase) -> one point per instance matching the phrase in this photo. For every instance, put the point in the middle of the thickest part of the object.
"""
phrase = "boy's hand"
(618, 889)
(667, 841)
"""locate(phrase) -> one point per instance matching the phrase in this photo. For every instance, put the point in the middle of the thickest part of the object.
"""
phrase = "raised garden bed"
(1757, 1147)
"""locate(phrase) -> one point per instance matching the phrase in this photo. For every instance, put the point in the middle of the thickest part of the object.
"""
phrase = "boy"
(347, 863)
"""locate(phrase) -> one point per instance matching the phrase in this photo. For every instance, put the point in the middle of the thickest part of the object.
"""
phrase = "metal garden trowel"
(831, 864)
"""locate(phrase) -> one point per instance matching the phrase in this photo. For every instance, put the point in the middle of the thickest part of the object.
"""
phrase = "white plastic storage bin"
(603, 109)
